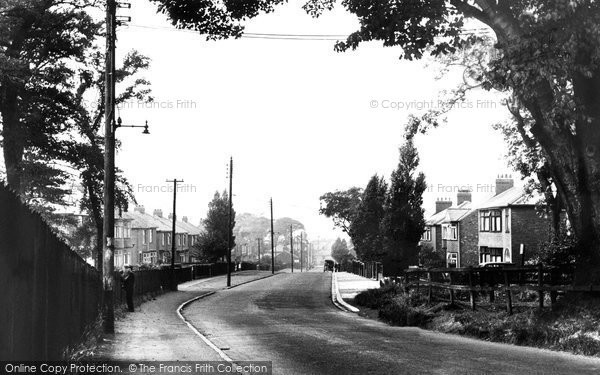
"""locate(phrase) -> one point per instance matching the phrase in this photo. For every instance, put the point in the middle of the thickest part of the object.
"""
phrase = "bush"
(377, 298)
(399, 314)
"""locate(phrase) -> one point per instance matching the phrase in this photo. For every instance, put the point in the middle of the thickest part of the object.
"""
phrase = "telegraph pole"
(272, 241)
(108, 258)
(292, 247)
(173, 279)
(301, 252)
(258, 241)
(230, 219)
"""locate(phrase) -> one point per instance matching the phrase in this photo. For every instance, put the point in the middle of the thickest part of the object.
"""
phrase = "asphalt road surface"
(289, 319)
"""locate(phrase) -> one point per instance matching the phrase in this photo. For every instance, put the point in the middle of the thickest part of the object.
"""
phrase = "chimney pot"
(504, 183)
(463, 196)
(442, 204)
(139, 209)
(158, 213)
(185, 219)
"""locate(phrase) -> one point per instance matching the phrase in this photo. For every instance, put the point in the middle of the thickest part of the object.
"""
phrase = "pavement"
(155, 332)
(350, 284)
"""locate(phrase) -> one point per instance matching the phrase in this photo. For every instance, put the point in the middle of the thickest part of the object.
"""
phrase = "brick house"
(124, 252)
(507, 222)
(193, 234)
(432, 236)
(460, 234)
(145, 233)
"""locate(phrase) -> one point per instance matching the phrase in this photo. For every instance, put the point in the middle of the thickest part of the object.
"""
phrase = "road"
(289, 319)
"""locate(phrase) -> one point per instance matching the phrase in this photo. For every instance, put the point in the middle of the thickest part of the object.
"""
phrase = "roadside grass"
(571, 325)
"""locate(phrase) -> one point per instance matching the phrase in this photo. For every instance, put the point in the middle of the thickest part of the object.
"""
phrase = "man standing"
(128, 280)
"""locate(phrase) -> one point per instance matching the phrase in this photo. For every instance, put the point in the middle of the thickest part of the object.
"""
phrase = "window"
(184, 239)
(150, 258)
(178, 240)
(144, 239)
(506, 216)
(127, 232)
(126, 258)
(149, 235)
(162, 236)
(426, 235)
(490, 221)
(449, 232)
(168, 238)
(490, 255)
(452, 260)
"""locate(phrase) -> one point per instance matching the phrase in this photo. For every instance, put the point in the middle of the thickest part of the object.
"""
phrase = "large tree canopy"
(547, 57)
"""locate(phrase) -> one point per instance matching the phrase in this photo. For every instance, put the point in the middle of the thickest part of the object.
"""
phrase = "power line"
(289, 36)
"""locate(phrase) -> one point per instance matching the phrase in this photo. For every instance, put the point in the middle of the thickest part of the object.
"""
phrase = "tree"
(41, 44)
(365, 225)
(85, 147)
(547, 59)
(341, 206)
(404, 222)
(340, 252)
(212, 243)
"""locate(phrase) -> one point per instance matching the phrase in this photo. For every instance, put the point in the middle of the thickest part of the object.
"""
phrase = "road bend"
(289, 319)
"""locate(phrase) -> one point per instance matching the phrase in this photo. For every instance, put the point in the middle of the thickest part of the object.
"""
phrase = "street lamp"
(108, 266)
(119, 124)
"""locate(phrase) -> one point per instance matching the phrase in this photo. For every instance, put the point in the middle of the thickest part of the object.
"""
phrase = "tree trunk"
(12, 135)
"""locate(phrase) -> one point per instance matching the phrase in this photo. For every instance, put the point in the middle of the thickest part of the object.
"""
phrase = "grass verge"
(572, 324)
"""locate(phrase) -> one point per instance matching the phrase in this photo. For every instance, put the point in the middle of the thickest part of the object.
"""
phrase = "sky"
(298, 118)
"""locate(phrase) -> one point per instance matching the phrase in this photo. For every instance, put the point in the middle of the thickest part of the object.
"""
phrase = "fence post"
(430, 291)
(471, 291)
(490, 277)
(508, 293)
(451, 290)
(553, 293)
(540, 283)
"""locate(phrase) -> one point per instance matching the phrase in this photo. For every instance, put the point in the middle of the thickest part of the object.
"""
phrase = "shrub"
(399, 314)
(377, 298)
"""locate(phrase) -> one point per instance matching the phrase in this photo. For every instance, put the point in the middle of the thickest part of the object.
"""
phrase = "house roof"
(515, 196)
(169, 224)
(440, 217)
(144, 221)
(436, 219)
(457, 213)
(192, 229)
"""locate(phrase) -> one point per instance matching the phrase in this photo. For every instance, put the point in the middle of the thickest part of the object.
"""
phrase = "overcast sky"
(298, 118)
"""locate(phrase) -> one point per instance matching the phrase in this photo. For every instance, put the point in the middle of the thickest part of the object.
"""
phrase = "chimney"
(158, 213)
(185, 219)
(139, 209)
(441, 204)
(171, 216)
(463, 196)
(503, 183)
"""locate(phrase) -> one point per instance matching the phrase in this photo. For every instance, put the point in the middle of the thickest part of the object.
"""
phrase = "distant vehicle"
(329, 265)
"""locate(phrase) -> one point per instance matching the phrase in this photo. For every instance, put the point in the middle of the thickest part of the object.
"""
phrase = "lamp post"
(108, 264)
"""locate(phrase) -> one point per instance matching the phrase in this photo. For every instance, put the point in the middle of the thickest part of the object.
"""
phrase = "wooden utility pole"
(108, 247)
(173, 278)
(230, 219)
(292, 246)
(272, 241)
(301, 252)
(258, 242)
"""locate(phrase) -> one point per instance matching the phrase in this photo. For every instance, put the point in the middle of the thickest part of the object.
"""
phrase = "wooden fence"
(49, 295)
(370, 270)
(489, 281)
